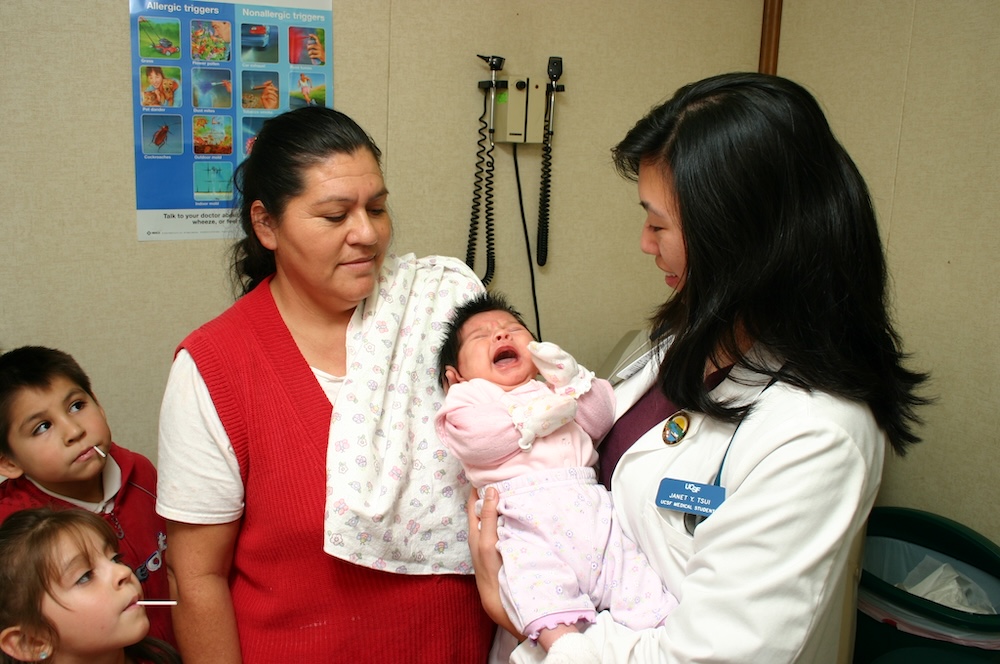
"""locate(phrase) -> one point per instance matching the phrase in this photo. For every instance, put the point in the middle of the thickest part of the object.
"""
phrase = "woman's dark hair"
(782, 248)
(488, 301)
(286, 146)
(28, 567)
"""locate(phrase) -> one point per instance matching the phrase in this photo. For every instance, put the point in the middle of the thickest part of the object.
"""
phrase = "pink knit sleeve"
(596, 409)
(475, 425)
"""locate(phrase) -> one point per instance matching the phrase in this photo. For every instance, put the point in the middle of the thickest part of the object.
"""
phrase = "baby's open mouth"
(505, 356)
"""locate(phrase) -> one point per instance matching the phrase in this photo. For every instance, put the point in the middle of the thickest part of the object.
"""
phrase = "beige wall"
(75, 277)
(910, 87)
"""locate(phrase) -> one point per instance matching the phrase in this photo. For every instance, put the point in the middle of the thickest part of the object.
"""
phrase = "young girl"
(66, 597)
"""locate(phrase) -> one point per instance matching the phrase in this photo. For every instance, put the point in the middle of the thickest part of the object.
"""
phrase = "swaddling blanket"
(395, 495)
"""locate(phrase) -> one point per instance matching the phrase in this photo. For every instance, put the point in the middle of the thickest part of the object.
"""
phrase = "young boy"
(56, 450)
(564, 555)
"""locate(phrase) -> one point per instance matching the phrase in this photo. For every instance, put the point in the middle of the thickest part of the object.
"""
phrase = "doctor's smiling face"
(662, 233)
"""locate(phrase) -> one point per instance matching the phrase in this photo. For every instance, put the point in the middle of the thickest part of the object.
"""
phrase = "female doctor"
(748, 450)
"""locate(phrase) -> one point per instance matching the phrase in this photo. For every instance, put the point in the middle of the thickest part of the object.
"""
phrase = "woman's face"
(330, 243)
(155, 78)
(662, 235)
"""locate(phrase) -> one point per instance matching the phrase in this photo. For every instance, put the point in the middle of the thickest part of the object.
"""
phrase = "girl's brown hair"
(28, 567)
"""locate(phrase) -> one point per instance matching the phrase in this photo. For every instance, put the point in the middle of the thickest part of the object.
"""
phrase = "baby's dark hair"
(33, 367)
(28, 568)
(488, 301)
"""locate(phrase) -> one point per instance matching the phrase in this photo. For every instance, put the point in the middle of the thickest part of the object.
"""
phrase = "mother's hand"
(486, 559)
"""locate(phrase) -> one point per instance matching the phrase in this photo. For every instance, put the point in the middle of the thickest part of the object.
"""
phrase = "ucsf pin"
(675, 428)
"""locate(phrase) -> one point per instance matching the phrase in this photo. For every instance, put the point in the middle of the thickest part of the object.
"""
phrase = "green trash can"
(893, 622)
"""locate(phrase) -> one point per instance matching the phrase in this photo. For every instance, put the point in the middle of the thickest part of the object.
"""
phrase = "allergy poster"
(205, 78)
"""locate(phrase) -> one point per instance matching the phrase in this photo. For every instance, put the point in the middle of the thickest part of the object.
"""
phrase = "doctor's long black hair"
(782, 248)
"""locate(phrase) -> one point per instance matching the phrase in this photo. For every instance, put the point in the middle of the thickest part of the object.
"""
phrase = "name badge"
(691, 497)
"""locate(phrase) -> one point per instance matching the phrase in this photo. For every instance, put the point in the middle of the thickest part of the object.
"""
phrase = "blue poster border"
(205, 77)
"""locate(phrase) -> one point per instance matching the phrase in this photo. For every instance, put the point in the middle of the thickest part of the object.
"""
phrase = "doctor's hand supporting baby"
(776, 383)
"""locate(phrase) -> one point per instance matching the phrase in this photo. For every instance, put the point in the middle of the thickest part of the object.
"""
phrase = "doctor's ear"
(263, 225)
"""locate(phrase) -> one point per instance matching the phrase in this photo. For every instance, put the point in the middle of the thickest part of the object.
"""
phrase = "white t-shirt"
(204, 485)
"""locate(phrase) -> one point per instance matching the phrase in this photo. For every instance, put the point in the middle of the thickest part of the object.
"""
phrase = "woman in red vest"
(313, 516)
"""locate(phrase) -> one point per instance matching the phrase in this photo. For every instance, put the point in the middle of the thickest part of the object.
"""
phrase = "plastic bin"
(895, 625)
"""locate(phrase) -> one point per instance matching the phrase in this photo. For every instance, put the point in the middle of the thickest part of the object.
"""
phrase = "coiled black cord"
(477, 192)
(483, 186)
(543, 200)
(488, 217)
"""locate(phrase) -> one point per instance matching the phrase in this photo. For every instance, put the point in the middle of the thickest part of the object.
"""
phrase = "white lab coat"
(763, 579)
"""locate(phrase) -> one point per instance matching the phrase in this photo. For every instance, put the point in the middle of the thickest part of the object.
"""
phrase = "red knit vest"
(293, 602)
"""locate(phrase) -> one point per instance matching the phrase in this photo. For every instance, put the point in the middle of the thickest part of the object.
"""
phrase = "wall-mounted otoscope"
(542, 246)
(554, 72)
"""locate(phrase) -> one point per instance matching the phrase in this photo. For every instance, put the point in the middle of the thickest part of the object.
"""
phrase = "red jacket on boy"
(142, 533)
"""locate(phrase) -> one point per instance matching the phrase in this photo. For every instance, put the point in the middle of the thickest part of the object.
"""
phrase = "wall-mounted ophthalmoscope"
(496, 64)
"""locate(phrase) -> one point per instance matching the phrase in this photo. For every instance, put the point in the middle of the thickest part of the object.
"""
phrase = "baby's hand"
(542, 416)
(559, 369)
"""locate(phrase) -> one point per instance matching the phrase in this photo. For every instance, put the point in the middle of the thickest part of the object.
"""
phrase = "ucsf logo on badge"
(690, 497)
